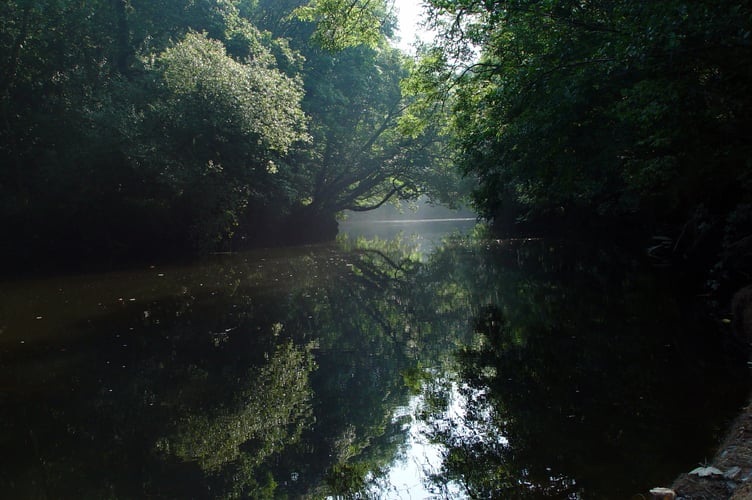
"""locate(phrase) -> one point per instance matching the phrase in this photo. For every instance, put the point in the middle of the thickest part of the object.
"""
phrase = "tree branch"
(387, 197)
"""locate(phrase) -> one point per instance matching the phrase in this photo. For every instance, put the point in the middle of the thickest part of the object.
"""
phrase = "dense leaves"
(346, 23)
(127, 129)
(364, 153)
(610, 108)
(134, 128)
(226, 123)
(248, 97)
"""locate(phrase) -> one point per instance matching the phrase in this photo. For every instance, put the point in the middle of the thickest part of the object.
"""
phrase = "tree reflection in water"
(538, 369)
(249, 376)
(588, 377)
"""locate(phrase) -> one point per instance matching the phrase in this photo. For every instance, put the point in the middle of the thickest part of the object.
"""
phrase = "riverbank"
(729, 475)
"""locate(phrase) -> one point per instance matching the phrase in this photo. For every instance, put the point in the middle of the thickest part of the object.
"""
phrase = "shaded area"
(587, 378)
(201, 381)
(287, 373)
(140, 129)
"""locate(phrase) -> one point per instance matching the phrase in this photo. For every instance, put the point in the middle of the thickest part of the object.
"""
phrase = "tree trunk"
(305, 225)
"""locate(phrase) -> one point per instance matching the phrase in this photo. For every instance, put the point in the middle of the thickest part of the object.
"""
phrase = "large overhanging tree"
(359, 159)
(185, 125)
(364, 152)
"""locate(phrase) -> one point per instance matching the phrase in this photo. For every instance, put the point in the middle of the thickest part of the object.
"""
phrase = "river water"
(410, 359)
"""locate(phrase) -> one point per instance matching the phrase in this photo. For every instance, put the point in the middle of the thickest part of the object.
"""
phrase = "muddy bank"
(729, 475)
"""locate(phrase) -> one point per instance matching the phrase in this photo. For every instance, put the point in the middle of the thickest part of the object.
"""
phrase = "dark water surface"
(405, 366)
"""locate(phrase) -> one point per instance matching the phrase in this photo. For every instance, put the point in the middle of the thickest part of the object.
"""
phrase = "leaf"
(706, 472)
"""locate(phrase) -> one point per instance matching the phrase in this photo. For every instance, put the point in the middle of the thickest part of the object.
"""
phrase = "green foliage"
(222, 123)
(362, 153)
(271, 412)
(357, 159)
(250, 101)
(168, 117)
(347, 23)
(190, 127)
(608, 107)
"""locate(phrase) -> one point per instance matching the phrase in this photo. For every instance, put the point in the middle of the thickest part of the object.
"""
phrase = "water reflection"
(424, 235)
(587, 377)
(478, 368)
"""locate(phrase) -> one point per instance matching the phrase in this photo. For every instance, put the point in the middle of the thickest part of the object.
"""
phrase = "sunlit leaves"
(166, 116)
(346, 23)
(272, 410)
(361, 156)
(223, 121)
(258, 100)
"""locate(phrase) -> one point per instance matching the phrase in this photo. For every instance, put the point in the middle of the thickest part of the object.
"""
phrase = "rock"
(732, 472)
(744, 492)
(663, 494)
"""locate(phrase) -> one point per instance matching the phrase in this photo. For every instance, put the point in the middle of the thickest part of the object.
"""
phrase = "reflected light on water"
(408, 476)
(352, 370)
(424, 234)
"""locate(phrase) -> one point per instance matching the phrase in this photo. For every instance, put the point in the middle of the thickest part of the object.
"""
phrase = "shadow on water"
(588, 377)
(536, 369)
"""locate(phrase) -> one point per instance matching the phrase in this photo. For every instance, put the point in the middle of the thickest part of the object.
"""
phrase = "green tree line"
(132, 127)
(591, 113)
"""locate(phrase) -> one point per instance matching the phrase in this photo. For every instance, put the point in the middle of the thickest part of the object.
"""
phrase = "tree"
(185, 125)
(222, 125)
(599, 108)
(346, 23)
(364, 152)
(168, 163)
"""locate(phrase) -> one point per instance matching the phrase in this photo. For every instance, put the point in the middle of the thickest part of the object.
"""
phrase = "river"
(409, 359)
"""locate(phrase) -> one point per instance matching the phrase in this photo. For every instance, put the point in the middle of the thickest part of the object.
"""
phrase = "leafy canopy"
(346, 23)
(609, 107)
